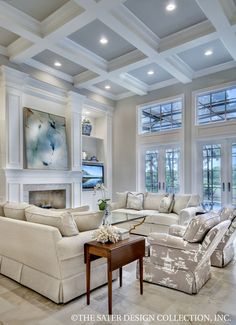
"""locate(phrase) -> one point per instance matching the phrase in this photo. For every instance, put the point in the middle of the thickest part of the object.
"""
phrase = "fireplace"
(48, 199)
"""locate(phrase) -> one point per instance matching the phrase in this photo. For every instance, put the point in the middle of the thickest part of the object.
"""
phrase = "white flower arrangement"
(106, 233)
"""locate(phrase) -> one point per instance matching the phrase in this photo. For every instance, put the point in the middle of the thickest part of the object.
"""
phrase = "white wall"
(124, 129)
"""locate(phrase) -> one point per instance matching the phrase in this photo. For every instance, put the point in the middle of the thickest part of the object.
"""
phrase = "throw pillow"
(88, 220)
(121, 200)
(64, 221)
(199, 226)
(181, 202)
(15, 210)
(152, 201)
(166, 203)
(135, 201)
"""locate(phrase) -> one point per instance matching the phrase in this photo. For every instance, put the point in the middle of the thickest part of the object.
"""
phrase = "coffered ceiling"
(118, 48)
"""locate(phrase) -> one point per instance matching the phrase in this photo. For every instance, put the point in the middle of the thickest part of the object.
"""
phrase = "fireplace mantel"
(17, 179)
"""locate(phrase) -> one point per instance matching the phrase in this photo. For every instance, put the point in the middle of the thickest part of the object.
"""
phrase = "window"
(212, 175)
(151, 172)
(162, 170)
(216, 106)
(172, 170)
(161, 117)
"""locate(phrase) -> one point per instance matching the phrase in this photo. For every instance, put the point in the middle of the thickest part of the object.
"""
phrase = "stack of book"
(123, 233)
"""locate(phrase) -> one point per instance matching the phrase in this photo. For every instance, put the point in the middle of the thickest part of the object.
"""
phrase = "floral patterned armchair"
(224, 252)
(183, 263)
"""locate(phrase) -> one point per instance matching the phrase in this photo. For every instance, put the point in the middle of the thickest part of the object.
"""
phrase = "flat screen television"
(93, 174)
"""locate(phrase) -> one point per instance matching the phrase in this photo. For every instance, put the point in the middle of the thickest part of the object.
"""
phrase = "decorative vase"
(86, 128)
(105, 220)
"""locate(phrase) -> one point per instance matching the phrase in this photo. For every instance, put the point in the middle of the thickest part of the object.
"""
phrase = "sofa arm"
(187, 214)
(174, 242)
(177, 230)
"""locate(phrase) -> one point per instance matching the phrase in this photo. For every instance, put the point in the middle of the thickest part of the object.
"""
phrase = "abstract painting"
(45, 137)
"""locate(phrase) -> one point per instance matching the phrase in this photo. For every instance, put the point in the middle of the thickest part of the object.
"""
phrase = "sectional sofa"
(182, 209)
(44, 250)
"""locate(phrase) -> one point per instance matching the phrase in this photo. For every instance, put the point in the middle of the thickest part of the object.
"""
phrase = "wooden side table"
(117, 255)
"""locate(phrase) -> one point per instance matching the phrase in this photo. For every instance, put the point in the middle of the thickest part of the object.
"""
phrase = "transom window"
(217, 106)
(161, 117)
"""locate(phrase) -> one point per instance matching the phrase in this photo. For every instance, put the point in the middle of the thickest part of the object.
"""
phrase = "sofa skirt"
(57, 290)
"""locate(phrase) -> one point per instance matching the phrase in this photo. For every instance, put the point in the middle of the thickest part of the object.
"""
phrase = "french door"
(217, 181)
(160, 169)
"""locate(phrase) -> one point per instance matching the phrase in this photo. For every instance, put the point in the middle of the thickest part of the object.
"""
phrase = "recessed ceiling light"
(208, 52)
(103, 40)
(57, 64)
(150, 72)
(171, 6)
(107, 87)
(86, 113)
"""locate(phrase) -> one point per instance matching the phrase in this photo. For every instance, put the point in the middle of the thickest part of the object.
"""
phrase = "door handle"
(223, 186)
(229, 186)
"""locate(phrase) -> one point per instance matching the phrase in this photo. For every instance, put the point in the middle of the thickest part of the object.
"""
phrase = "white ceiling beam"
(188, 38)
(19, 23)
(43, 67)
(128, 26)
(215, 13)
(132, 84)
(101, 92)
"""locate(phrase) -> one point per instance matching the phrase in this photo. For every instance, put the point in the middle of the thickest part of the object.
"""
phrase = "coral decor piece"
(106, 234)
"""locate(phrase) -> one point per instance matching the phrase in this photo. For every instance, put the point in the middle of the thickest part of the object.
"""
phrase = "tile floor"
(22, 306)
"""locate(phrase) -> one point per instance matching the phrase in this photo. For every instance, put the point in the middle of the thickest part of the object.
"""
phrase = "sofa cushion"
(15, 210)
(181, 202)
(166, 203)
(194, 201)
(152, 201)
(88, 220)
(159, 218)
(64, 221)
(121, 200)
(135, 201)
(199, 226)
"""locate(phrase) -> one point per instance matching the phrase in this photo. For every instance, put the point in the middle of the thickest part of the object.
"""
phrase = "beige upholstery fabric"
(38, 257)
(179, 264)
(199, 226)
(224, 252)
(120, 202)
(15, 210)
(187, 214)
(88, 220)
(177, 230)
(194, 201)
(181, 202)
(152, 201)
(165, 203)
(135, 201)
(64, 221)
(159, 218)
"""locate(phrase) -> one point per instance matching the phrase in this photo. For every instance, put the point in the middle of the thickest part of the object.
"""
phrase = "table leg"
(141, 274)
(109, 278)
(88, 271)
(120, 276)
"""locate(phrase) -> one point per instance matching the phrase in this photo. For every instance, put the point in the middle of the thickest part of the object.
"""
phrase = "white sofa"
(184, 208)
(39, 257)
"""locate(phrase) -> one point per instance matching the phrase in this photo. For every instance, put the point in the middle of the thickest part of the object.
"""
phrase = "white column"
(73, 124)
(11, 123)
(74, 135)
